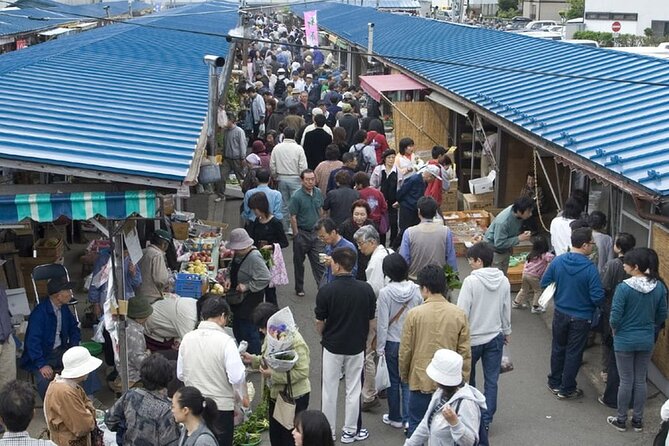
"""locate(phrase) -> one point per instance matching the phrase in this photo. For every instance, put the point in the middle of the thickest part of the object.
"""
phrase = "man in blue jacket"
(408, 195)
(52, 329)
(578, 292)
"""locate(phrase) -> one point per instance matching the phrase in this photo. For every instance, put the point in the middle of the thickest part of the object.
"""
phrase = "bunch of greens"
(452, 278)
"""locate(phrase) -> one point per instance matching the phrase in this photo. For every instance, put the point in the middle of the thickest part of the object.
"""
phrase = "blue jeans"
(245, 330)
(490, 354)
(418, 404)
(632, 368)
(398, 393)
(570, 335)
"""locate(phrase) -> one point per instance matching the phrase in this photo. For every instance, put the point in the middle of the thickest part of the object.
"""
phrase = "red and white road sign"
(615, 27)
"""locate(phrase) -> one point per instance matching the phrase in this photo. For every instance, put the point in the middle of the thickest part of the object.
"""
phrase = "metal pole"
(211, 115)
(370, 40)
(116, 235)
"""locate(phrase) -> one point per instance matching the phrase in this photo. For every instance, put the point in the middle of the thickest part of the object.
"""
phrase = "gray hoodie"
(485, 298)
(441, 433)
(391, 299)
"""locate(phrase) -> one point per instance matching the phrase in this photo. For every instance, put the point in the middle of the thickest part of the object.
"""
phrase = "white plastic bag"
(382, 375)
(547, 295)
(507, 364)
(97, 333)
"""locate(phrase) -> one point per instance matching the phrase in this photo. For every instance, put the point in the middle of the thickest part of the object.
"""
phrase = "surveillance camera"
(217, 61)
(371, 25)
(228, 39)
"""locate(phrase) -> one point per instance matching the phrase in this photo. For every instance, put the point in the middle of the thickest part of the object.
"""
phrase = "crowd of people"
(315, 171)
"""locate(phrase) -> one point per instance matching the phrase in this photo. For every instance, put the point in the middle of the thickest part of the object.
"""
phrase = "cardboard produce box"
(478, 201)
(49, 247)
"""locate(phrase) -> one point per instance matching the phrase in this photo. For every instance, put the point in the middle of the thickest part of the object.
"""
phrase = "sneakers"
(601, 401)
(613, 421)
(573, 395)
(538, 309)
(516, 306)
(637, 425)
(554, 390)
(369, 405)
(347, 437)
(396, 424)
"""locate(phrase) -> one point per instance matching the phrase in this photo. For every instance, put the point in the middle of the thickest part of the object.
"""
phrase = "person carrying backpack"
(365, 154)
(454, 414)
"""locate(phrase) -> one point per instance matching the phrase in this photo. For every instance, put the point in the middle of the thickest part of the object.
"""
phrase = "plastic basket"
(188, 285)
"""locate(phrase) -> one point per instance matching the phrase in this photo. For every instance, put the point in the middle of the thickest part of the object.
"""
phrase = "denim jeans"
(418, 404)
(632, 368)
(490, 355)
(245, 330)
(398, 393)
(570, 335)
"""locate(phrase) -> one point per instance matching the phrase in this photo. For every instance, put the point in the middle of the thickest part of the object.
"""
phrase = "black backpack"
(363, 164)
(483, 432)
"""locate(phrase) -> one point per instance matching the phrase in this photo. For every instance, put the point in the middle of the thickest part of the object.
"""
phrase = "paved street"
(527, 413)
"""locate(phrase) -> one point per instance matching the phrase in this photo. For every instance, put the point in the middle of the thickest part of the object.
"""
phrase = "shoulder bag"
(394, 318)
(284, 408)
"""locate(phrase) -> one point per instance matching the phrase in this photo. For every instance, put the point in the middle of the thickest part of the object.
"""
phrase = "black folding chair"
(48, 272)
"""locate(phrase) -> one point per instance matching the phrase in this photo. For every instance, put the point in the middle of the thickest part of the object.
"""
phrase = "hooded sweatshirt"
(485, 297)
(639, 306)
(440, 432)
(578, 289)
(391, 299)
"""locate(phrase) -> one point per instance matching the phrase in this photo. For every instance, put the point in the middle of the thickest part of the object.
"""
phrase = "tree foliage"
(576, 9)
(507, 5)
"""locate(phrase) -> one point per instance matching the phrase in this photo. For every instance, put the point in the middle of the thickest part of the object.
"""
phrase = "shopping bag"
(507, 364)
(382, 375)
(284, 409)
(547, 295)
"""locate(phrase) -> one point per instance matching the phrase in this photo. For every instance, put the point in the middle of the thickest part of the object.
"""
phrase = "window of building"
(624, 16)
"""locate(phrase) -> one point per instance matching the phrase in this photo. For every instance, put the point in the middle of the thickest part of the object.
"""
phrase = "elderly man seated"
(52, 329)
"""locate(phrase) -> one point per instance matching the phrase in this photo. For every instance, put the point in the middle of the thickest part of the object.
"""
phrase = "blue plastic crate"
(188, 285)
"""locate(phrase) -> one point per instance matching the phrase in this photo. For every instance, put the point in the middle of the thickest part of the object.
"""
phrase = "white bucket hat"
(78, 362)
(445, 368)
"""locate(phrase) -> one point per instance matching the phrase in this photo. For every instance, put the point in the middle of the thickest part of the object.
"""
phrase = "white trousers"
(332, 367)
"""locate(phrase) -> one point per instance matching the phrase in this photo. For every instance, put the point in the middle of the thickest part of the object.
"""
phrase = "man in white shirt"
(287, 161)
(210, 361)
(172, 318)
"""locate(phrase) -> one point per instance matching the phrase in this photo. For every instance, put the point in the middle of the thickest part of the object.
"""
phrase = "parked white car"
(537, 25)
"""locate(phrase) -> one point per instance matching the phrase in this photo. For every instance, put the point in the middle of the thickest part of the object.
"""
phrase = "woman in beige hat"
(454, 414)
(249, 276)
(70, 415)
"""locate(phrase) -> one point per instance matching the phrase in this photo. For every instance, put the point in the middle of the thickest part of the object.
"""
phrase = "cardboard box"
(478, 201)
(482, 185)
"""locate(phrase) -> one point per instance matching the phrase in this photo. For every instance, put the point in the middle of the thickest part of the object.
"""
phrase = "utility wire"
(393, 57)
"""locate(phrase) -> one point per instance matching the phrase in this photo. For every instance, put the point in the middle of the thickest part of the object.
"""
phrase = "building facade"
(633, 17)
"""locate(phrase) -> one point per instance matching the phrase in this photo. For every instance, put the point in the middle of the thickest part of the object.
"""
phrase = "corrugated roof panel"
(587, 100)
(125, 98)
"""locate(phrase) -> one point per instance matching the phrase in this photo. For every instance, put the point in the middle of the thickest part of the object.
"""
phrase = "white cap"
(316, 111)
(445, 368)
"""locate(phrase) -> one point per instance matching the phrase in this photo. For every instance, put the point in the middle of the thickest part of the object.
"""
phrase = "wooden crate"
(478, 201)
(27, 266)
(479, 216)
(49, 251)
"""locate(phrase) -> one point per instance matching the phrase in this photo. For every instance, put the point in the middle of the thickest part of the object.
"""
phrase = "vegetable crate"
(188, 285)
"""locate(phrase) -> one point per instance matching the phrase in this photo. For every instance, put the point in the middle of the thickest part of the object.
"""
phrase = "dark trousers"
(224, 425)
(610, 396)
(408, 218)
(307, 244)
(270, 295)
(279, 435)
(490, 355)
(418, 404)
(570, 335)
(55, 359)
(392, 220)
(245, 330)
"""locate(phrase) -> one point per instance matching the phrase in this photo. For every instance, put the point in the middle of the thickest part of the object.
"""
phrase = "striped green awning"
(77, 206)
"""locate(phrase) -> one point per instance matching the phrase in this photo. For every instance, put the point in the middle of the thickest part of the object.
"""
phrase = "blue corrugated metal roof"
(18, 21)
(127, 98)
(611, 108)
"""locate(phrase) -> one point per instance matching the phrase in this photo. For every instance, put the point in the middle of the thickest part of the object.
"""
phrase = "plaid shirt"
(23, 439)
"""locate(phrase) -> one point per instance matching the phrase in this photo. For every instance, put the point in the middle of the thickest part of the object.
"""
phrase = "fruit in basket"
(196, 267)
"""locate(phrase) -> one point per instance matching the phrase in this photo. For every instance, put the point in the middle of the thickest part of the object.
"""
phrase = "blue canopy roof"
(128, 99)
(608, 107)
(18, 21)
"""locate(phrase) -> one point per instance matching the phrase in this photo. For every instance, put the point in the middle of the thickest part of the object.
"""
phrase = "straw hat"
(78, 362)
(445, 368)
(239, 239)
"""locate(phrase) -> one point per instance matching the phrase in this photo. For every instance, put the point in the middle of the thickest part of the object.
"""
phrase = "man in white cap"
(280, 84)
(454, 413)
(314, 111)
(429, 242)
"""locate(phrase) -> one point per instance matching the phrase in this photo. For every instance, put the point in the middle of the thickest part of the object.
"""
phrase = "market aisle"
(528, 414)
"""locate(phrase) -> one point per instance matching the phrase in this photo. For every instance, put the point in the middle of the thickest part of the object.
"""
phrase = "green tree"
(576, 9)
(506, 5)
